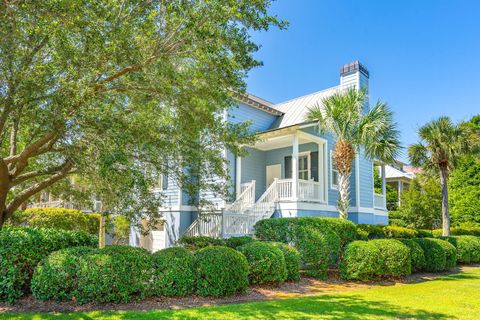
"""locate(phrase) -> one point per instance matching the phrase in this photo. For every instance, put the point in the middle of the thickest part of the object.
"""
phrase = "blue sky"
(423, 55)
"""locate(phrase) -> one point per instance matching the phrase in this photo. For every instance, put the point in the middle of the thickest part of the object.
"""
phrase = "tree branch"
(27, 193)
(37, 173)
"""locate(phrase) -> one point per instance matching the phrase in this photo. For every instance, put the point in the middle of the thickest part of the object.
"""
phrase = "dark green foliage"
(468, 248)
(173, 272)
(320, 241)
(361, 261)
(464, 192)
(114, 274)
(57, 218)
(266, 262)
(318, 249)
(220, 271)
(422, 233)
(292, 260)
(235, 242)
(395, 258)
(371, 231)
(22, 248)
(399, 232)
(55, 278)
(439, 254)
(367, 260)
(195, 243)
(417, 256)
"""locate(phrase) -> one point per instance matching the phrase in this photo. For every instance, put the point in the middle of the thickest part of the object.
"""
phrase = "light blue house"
(287, 173)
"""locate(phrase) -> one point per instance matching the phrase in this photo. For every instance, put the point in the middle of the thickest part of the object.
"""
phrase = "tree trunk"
(343, 156)
(445, 209)
(4, 187)
(343, 203)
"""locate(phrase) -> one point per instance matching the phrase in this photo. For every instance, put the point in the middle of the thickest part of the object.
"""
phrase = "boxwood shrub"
(292, 260)
(367, 260)
(55, 278)
(57, 218)
(439, 254)
(114, 274)
(22, 248)
(220, 271)
(235, 242)
(266, 262)
(370, 231)
(417, 255)
(173, 272)
(196, 243)
(361, 261)
(468, 248)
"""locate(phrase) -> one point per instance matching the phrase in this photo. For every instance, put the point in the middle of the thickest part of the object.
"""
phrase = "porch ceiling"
(279, 142)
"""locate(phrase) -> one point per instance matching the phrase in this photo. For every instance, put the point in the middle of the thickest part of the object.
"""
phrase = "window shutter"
(314, 165)
(288, 167)
(164, 181)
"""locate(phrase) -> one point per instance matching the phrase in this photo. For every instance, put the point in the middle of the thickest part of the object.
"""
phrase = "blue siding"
(171, 193)
(176, 222)
(260, 120)
(366, 182)
(253, 168)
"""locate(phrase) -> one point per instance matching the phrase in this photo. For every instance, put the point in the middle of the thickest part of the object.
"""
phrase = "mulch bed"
(304, 287)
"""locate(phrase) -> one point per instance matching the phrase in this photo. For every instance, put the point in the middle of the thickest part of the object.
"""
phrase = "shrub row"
(57, 218)
(367, 260)
(22, 248)
(368, 231)
(122, 274)
(196, 243)
(460, 231)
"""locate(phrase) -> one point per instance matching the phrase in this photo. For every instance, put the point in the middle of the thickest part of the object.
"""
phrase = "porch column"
(295, 167)
(384, 186)
(238, 176)
(400, 189)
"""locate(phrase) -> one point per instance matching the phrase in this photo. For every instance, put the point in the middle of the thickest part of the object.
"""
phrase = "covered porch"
(290, 164)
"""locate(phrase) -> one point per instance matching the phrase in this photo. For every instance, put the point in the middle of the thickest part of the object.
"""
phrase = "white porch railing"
(310, 190)
(244, 200)
(379, 201)
(206, 224)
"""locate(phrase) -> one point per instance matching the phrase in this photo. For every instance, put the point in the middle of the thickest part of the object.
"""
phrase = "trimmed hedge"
(440, 255)
(235, 242)
(460, 231)
(57, 218)
(220, 271)
(292, 260)
(468, 248)
(320, 241)
(417, 255)
(173, 272)
(21, 249)
(266, 262)
(370, 231)
(397, 232)
(196, 243)
(367, 260)
(55, 278)
(114, 274)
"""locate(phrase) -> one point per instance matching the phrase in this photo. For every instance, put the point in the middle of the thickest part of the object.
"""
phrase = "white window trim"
(332, 186)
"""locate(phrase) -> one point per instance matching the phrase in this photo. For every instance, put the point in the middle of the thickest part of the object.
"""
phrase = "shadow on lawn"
(325, 307)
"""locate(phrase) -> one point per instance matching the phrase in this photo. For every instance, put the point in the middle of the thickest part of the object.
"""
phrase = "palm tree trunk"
(445, 209)
(343, 203)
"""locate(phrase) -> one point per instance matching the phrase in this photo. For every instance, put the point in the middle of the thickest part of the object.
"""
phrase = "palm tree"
(442, 144)
(345, 115)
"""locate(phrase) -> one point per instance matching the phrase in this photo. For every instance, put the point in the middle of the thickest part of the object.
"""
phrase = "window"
(303, 167)
(333, 173)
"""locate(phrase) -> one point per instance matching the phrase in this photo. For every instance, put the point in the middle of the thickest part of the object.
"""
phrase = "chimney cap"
(353, 67)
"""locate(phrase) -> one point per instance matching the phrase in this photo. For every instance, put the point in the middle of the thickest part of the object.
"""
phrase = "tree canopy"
(109, 89)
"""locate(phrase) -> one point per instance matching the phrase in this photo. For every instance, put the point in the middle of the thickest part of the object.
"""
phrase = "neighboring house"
(399, 176)
(287, 173)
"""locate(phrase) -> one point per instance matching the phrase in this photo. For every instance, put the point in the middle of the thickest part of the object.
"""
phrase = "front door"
(274, 171)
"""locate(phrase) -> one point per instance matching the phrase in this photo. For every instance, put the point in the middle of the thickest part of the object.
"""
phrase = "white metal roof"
(295, 110)
(391, 172)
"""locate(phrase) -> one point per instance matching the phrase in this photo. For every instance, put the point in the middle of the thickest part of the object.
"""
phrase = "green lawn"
(449, 297)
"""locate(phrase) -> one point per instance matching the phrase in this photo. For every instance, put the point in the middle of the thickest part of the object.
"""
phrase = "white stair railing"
(244, 200)
(206, 224)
